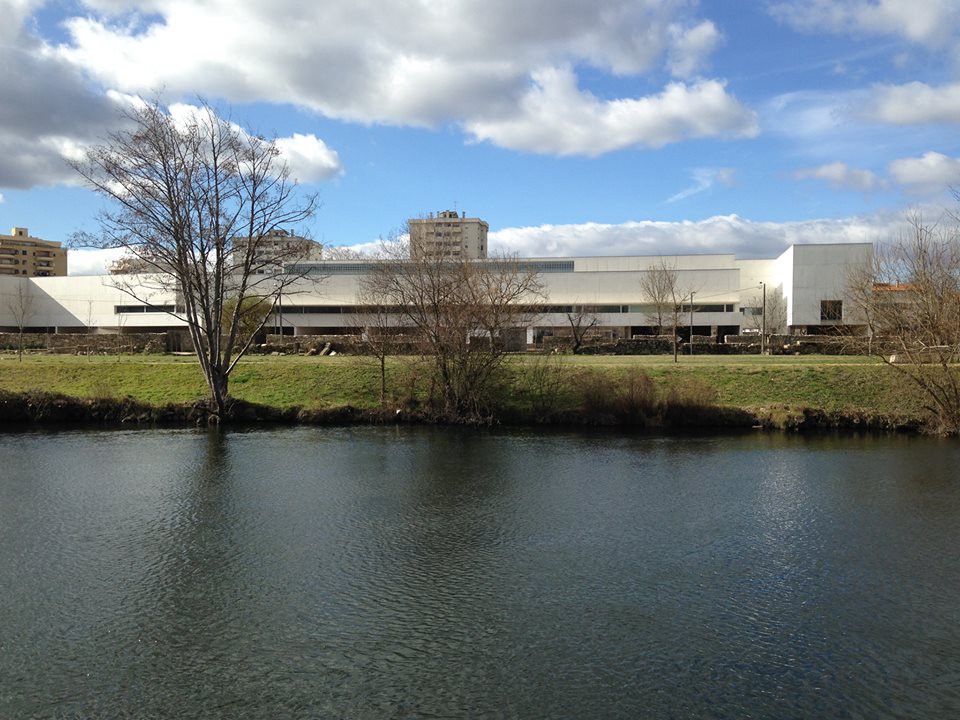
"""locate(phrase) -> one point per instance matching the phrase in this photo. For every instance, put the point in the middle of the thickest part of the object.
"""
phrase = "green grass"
(825, 382)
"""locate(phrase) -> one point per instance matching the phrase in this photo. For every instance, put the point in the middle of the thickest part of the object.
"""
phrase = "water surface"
(416, 572)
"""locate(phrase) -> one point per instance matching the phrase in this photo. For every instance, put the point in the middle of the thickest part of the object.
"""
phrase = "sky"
(573, 127)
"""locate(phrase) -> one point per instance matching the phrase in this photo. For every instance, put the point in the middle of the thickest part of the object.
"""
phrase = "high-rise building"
(22, 254)
(448, 235)
(283, 247)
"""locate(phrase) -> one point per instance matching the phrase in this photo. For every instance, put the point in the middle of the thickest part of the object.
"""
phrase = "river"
(423, 572)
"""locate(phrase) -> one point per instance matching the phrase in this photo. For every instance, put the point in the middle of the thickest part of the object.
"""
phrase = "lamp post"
(691, 323)
(763, 321)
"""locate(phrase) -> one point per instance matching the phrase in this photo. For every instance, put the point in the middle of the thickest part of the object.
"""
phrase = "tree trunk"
(383, 381)
(219, 396)
(20, 348)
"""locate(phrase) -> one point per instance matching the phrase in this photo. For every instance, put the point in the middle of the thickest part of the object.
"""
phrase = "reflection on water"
(403, 572)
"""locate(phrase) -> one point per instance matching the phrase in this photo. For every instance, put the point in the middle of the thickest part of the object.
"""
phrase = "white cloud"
(82, 261)
(490, 66)
(914, 103)
(840, 174)
(929, 22)
(14, 12)
(556, 117)
(931, 173)
(47, 108)
(2, 198)
(703, 180)
(691, 47)
(309, 158)
(720, 234)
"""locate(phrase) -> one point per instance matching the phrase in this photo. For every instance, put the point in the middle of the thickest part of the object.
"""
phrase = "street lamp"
(691, 323)
(763, 321)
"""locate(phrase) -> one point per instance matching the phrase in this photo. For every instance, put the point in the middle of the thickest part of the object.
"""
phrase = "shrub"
(636, 396)
(543, 379)
(628, 398)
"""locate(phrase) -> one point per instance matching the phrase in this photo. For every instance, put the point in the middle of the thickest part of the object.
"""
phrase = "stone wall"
(646, 346)
(75, 344)
(800, 344)
(339, 344)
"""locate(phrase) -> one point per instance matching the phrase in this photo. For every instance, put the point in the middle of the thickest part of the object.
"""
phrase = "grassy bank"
(773, 389)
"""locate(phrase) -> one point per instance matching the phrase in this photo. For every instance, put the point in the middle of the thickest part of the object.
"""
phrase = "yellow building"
(21, 254)
(448, 235)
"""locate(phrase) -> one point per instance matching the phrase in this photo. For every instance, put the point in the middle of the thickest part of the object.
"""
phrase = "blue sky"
(571, 126)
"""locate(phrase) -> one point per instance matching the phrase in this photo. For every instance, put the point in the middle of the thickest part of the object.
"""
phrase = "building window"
(126, 309)
(831, 310)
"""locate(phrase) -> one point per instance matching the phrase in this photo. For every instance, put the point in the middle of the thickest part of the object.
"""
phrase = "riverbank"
(39, 409)
(802, 393)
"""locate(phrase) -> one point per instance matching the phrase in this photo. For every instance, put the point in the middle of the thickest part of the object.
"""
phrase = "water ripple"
(385, 572)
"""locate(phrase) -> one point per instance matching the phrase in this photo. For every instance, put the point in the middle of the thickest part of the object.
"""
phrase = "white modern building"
(808, 279)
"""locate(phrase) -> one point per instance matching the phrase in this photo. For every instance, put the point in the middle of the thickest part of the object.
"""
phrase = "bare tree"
(860, 296)
(776, 313)
(20, 305)
(909, 298)
(339, 252)
(374, 316)
(581, 321)
(199, 202)
(660, 285)
(462, 312)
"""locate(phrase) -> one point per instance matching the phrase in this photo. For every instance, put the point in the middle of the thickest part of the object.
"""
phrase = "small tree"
(253, 311)
(198, 201)
(581, 321)
(374, 317)
(660, 285)
(776, 320)
(461, 312)
(20, 305)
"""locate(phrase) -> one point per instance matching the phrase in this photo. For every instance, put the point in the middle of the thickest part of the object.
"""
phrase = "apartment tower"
(21, 254)
(448, 235)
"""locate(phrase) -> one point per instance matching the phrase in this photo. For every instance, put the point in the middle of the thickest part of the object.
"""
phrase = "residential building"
(281, 246)
(27, 256)
(448, 235)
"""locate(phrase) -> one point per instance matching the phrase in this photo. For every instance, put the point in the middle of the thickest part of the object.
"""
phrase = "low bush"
(629, 397)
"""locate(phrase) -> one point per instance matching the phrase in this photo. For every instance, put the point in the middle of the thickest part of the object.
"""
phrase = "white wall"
(820, 273)
(8, 294)
(89, 301)
(804, 274)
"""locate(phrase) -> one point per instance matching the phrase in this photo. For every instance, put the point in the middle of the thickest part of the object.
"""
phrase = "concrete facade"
(27, 256)
(805, 276)
(448, 235)
(282, 246)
